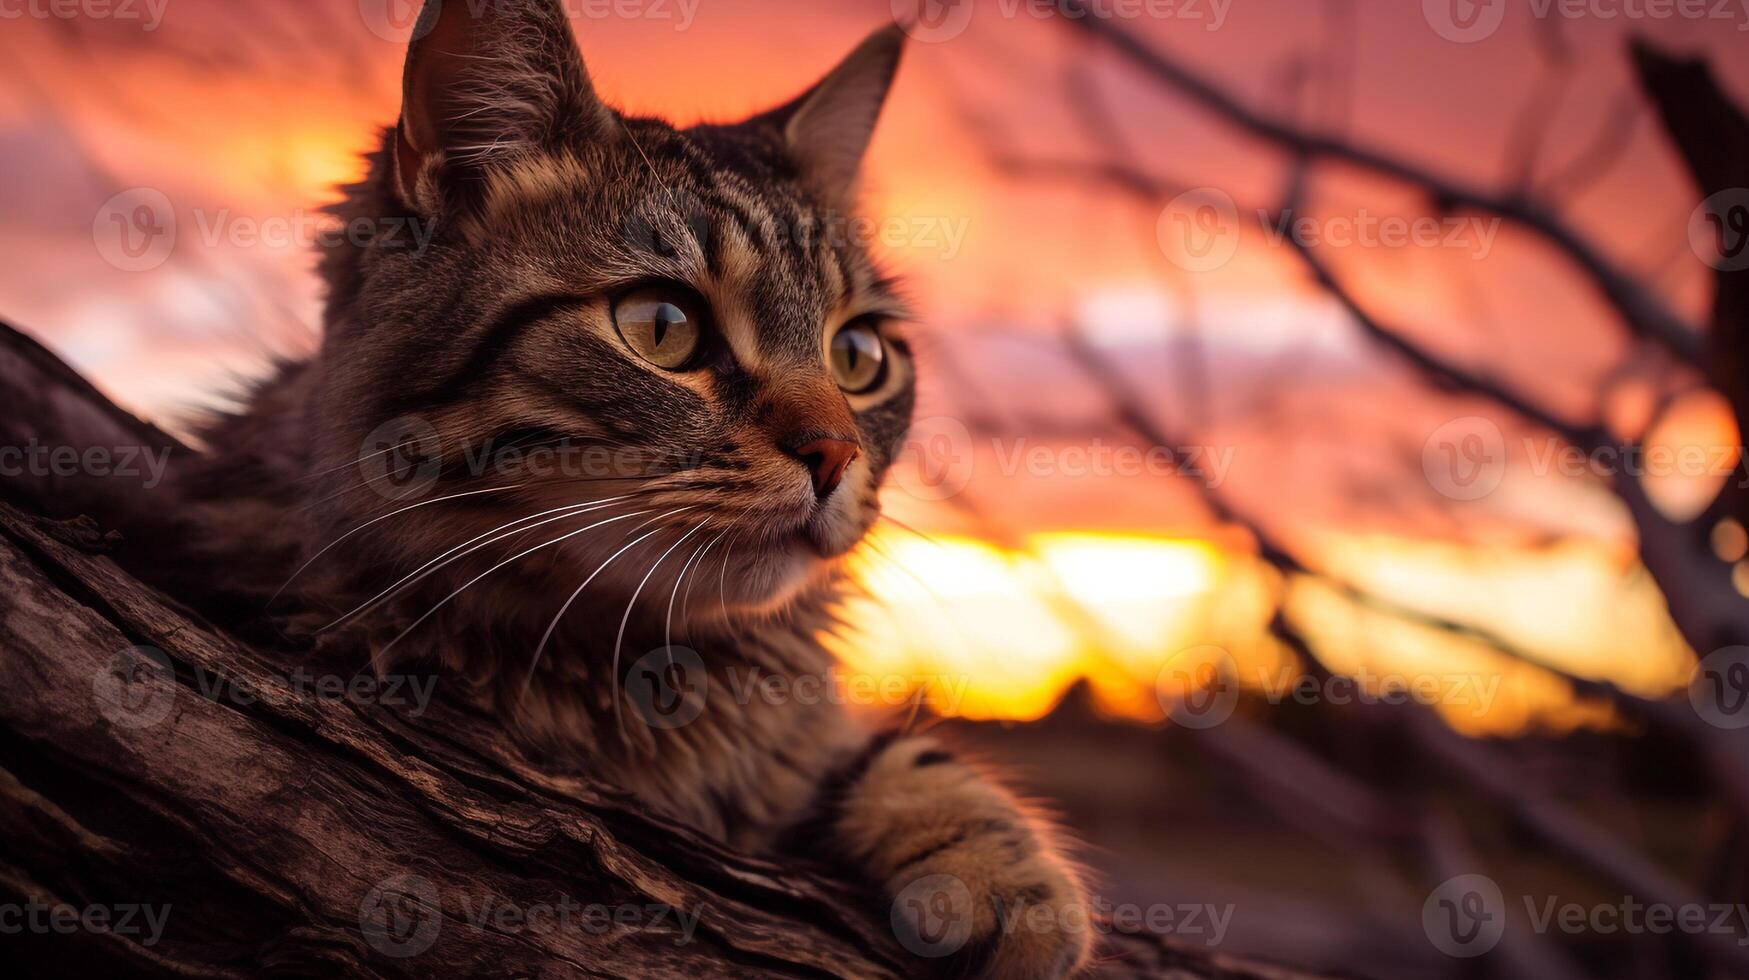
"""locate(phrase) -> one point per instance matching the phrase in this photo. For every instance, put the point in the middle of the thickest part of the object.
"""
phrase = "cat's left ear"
(828, 128)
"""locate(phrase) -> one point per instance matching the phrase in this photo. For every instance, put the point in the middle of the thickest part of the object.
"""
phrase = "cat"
(686, 303)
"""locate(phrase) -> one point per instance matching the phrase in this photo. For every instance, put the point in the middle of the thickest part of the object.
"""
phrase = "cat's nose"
(826, 460)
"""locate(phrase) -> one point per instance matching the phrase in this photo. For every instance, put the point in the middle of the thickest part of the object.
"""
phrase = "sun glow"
(984, 631)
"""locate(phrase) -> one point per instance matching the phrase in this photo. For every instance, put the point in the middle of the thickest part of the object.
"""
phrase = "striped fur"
(546, 204)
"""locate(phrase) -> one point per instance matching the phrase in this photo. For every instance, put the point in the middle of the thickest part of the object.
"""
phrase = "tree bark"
(149, 761)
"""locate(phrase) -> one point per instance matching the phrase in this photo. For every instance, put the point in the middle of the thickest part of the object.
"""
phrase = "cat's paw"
(975, 881)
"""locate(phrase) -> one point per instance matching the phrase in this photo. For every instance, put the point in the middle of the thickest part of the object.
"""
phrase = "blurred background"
(1326, 487)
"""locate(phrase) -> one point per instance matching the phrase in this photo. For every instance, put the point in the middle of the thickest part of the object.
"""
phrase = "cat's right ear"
(487, 81)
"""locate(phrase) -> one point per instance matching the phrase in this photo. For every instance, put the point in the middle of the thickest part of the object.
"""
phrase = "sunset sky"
(244, 115)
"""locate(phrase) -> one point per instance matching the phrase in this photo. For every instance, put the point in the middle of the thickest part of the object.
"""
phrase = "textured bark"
(146, 757)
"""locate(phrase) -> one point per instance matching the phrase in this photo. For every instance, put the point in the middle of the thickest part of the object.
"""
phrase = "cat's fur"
(545, 203)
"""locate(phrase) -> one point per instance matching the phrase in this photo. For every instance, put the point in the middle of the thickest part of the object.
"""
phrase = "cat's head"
(609, 308)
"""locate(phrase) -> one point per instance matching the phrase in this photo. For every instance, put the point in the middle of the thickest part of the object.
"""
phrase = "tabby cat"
(690, 301)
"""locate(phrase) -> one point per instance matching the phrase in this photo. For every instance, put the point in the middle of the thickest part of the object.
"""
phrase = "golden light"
(981, 631)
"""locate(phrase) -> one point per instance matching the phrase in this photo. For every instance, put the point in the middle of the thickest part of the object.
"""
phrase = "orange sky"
(239, 110)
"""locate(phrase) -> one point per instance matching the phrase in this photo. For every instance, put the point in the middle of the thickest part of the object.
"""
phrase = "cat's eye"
(661, 324)
(858, 357)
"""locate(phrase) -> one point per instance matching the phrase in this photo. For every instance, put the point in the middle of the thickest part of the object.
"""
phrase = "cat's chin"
(778, 573)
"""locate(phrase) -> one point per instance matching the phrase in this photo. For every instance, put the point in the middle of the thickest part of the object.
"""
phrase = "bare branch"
(1642, 312)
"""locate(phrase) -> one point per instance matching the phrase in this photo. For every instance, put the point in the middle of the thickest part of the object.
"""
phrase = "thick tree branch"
(149, 759)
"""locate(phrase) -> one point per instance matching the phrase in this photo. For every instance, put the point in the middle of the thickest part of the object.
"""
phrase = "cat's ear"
(828, 128)
(487, 80)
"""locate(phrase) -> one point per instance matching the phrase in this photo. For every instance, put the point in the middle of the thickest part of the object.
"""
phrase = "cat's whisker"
(934, 596)
(686, 600)
(374, 520)
(723, 576)
(335, 469)
(369, 483)
(890, 519)
(619, 640)
(513, 558)
(508, 529)
(318, 474)
(534, 662)
(668, 625)
(494, 535)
